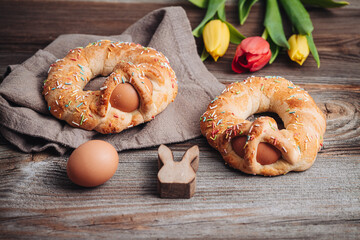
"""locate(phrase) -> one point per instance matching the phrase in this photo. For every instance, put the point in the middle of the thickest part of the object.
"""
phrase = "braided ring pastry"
(259, 147)
(140, 84)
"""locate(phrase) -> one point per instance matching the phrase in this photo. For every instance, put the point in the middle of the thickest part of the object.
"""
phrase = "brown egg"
(238, 144)
(148, 84)
(266, 153)
(125, 98)
(92, 163)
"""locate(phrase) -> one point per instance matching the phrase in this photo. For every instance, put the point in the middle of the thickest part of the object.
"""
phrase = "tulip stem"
(275, 49)
(265, 34)
(204, 54)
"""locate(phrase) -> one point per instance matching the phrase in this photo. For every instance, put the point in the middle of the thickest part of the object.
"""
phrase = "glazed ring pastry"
(140, 84)
(259, 147)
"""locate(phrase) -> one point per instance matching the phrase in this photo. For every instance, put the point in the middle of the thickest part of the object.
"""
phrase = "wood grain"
(20, 38)
(38, 201)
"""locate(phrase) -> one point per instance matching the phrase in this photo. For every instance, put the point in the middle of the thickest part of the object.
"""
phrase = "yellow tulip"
(216, 37)
(299, 48)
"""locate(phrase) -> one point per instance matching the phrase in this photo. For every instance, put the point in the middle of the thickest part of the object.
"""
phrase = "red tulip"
(252, 54)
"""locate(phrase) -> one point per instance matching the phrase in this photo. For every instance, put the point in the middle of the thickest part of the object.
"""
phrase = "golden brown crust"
(299, 143)
(121, 62)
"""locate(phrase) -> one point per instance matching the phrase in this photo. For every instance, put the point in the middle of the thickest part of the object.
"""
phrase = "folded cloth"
(26, 122)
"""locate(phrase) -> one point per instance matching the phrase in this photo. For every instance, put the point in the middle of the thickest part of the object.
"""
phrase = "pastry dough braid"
(122, 63)
(299, 143)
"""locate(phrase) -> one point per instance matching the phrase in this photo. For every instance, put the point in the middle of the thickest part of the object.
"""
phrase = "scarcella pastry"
(259, 147)
(140, 84)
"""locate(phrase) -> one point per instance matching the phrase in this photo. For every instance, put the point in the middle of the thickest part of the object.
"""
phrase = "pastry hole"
(95, 84)
(276, 117)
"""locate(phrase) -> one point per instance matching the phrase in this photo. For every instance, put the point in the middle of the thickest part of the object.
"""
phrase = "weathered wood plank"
(319, 200)
(37, 200)
(54, 18)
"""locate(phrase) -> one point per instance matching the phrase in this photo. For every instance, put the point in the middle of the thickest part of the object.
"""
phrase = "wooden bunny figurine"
(177, 179)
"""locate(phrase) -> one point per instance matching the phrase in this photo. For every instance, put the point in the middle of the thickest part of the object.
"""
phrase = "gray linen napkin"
(26, 122)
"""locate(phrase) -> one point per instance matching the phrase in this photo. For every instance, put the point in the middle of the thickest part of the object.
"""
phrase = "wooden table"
(321, 203)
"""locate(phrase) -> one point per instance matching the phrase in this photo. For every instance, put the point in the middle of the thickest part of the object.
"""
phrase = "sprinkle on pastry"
(259, 147)
(153, 84)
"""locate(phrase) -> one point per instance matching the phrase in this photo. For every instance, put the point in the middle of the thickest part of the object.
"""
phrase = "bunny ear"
(191, 156)
(165, 155)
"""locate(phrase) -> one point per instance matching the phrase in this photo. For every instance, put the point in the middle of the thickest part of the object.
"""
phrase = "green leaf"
(325, 3)
(275, 49)
(313, 49)
(221, 13)
(212, 9)
(204, 54)
(273, 24)
(200, 3)
(298, 15)
(235, 36)
(244, 9)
